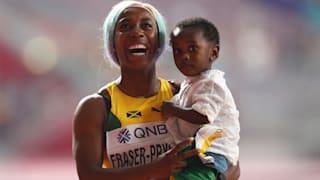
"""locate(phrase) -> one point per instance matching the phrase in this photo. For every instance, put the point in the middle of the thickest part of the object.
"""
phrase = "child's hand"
(167, 108)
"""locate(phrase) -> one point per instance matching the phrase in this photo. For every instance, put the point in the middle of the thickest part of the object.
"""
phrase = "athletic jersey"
(136, 132)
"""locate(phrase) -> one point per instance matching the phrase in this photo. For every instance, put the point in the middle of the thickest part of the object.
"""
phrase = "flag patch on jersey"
(134, 114)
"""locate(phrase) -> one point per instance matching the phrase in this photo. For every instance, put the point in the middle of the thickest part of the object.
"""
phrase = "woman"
(125, 141)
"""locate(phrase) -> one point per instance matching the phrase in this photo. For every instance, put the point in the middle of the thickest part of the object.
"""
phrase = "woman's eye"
(124, 26)
(147, 26)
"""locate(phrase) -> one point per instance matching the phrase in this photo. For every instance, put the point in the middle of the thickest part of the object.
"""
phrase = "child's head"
(195, 44)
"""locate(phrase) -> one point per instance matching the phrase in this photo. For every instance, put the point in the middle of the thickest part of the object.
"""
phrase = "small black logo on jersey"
(134, 114)
(155, 109)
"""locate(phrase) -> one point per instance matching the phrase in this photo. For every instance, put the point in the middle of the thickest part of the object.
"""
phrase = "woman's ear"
(214, 52)
(114, 52)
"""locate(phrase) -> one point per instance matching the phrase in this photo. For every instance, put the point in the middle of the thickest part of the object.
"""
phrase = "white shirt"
(209, 95)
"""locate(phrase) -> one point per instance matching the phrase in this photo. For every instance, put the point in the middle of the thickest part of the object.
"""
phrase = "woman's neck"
(137, 84)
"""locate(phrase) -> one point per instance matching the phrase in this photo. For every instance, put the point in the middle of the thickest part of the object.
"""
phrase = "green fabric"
(113, 122)
(195, 169)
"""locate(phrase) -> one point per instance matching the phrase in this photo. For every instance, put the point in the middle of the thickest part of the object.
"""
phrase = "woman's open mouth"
(138, 49)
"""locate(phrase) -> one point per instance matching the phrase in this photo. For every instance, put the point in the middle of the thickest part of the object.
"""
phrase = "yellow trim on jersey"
(136, 110)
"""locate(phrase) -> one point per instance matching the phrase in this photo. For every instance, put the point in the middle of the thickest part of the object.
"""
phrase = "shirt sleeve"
(208, 99)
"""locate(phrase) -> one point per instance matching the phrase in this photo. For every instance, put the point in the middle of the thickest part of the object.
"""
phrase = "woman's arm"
(88, 137)
(88, 148)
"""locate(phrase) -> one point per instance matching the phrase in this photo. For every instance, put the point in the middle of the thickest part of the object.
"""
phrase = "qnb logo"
(124, 136)
(155, 130)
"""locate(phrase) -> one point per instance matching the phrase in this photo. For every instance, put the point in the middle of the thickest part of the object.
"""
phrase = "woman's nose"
(138, 32)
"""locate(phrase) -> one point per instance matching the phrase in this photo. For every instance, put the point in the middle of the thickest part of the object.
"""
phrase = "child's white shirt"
(209, 95)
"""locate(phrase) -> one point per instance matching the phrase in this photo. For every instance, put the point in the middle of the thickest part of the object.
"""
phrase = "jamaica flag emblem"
(134, 114)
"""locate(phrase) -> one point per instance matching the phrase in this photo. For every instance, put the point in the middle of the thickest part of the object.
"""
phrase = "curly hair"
(209, 30)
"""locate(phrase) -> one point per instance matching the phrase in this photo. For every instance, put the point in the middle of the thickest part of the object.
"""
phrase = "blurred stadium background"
(51, 56)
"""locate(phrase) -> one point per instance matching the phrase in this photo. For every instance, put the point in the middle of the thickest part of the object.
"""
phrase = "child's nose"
(186, 57)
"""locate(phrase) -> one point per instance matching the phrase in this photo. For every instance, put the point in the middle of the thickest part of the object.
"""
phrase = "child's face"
(192, 53)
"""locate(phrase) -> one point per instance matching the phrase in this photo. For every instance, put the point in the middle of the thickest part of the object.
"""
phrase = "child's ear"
(114, 50)
(214, 52)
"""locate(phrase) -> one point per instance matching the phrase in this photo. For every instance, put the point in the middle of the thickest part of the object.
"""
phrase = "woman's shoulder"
(90, 107)
(90, 100)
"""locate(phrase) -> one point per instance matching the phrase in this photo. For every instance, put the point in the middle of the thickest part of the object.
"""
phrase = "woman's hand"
(172, 161)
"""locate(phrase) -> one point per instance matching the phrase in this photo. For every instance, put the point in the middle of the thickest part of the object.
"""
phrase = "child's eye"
(192, 48)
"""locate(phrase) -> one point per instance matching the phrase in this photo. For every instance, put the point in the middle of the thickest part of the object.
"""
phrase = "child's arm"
(187, 114)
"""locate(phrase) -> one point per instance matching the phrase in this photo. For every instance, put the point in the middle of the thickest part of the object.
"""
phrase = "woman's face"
(136, 38)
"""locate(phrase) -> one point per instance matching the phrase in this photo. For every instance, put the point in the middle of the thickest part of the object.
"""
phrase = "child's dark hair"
(209, 30)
